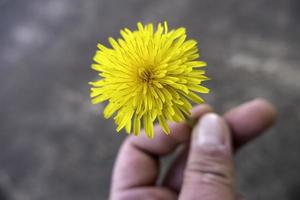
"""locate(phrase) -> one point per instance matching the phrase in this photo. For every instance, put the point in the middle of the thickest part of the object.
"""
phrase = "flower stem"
(191, 122)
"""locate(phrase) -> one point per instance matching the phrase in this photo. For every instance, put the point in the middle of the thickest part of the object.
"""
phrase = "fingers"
(209, 174)
(249, 120)
(137, 162)
(246, 122)
(145, 193)
(163, 144)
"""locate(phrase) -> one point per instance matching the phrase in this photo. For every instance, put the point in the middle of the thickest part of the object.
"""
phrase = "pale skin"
(204, 169)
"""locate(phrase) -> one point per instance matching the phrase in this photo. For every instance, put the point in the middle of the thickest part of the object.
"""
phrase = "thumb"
(209, 173)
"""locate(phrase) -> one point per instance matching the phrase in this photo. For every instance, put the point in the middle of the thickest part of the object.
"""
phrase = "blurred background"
(55, 145)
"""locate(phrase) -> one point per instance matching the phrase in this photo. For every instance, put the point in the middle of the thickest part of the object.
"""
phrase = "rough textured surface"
(55, 145)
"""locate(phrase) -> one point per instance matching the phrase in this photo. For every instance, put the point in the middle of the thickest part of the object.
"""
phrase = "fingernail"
(211, 130)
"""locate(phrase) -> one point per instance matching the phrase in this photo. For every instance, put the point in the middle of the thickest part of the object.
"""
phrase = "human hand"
(204, 169)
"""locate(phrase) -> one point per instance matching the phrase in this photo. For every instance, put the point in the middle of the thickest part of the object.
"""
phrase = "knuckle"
(220, 152)
(210, 166)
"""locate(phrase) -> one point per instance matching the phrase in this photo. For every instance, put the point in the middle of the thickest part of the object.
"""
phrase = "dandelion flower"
(148, 75)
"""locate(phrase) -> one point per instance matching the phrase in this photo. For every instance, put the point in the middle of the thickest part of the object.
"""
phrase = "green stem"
(190, 121)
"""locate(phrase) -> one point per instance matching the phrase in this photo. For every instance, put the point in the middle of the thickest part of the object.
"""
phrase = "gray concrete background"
(55, 145)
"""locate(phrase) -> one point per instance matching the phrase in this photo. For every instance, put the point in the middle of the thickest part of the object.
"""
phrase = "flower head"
(148, 75)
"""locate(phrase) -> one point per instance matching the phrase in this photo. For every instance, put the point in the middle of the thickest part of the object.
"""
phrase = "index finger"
(249, 120)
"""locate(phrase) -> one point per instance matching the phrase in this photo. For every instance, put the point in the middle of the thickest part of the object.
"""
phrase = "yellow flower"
(148, 75)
